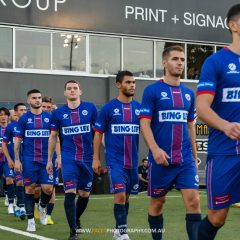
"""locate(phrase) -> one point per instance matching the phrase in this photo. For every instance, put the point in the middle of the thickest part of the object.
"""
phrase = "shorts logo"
(220, 200)
(46, 120)
(135, 187)
(29, 120)
(65, 116)
(125, 129)
(164, 96)
(188, 97)
(84, 112)
(159, 191)
(51, 177)
(89, 184)
(116, 112)
(197, 178)
(69, 183)
(56, 180)
(77, 129)
(118, 186)
(173, 116)
(231, 95)
(232, 67)
(137, 112)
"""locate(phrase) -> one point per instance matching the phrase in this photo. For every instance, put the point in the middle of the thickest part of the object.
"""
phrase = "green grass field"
(99, 218)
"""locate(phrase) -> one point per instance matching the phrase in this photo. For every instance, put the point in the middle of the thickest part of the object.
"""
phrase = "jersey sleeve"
(7, 134)
(54, 121)
(21, 127)
(102, 120)
(147, 105)
(208, 77)
(191, 112)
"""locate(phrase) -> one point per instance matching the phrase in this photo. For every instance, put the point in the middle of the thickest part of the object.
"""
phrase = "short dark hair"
(47, 99)
(33, 91)
(71, 81)
(233, 13)
(121, 74)
(145, 159)
(17, 105)
(169, 49)
(5, 110)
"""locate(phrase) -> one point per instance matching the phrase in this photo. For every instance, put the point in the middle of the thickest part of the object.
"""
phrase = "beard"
(35, 107)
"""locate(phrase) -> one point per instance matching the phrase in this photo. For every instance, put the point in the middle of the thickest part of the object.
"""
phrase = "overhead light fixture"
(69, 36)
(66, 40)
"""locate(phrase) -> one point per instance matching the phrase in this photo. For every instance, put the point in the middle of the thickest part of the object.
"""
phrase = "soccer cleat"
(49, 220)
(116, 235)
(10, 209)
(22, 213)
(236, 205)
(73, 236)
(14, 202)
(36, 213)
(42, 215)
(17, 211)
(124, 237)
(31, 226)
(6, 201)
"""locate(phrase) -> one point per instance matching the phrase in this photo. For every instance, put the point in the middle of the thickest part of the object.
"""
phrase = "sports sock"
(44, 199)
(20, 196)
(29, 205)
(81, 205)
(10, 193)
(193, 221)
(156, 226)
(70, 210)
(50, 207)
(120, 217)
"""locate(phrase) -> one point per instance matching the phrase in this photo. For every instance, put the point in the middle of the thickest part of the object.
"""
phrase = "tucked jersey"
(119, 121)
(170, 108)
(35, 131)
(220, 76)
(9, 137)
(2, 132)
(76, 133)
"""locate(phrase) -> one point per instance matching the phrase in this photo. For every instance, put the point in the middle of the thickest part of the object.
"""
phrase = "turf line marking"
(27, 234)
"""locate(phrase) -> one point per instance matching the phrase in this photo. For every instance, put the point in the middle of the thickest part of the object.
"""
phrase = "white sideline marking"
(31, 235)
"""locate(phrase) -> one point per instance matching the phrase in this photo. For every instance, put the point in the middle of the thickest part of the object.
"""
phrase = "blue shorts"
(5, 170)
(123, 180)
(55, 176)
(163, 178)
(34, 172)
(77, 176)
(18, 176)
(223, 181)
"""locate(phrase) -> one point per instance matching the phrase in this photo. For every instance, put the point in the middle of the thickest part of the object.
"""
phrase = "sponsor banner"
(77, 129)
(37, 133)
(173, 116)
(125, 129)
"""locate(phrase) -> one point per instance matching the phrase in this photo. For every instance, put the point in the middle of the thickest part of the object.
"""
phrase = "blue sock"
(127, 207)
(156, 226)
(20, 196)
(70, 210)
(29, 205)
(50, 207)
(120, 217)
(206, 230)
(81, 205)
(10, 193)
(45, 199)
(193, 221)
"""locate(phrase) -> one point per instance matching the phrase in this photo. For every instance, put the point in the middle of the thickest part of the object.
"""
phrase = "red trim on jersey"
(54, 129)
(19, 137)
(206, 92)
(226, 47)
(4, 140)
(190, 120)
(143, 116)
(97, 130)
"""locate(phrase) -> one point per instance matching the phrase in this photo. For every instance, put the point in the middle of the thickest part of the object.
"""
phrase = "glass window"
(69, 52)
(196, 54)
(138, 57)
(105, 55)
(33, 49)
(6, 48)
(160, 46)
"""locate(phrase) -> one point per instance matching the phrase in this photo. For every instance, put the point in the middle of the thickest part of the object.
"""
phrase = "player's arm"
(210, 117)
(192, 136)
(17, 146)
(52, 142)
(58, 152)
(97, 141)
(141, 178)
(160, 156)
(7, 155)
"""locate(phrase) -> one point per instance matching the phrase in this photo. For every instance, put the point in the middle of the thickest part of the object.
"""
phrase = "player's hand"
(1, 151)
(96, 165)
(160, 156)
(58, 163)
(18, 166)
(11, 163)
(232, 130)
(49, 168)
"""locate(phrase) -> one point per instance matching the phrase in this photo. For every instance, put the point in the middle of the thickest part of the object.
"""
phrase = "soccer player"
(167, 115)
(8, 149)
(73, 122)
(47, 104)
(119, 122)
(4, 168)
(33, 131)
(218, 104)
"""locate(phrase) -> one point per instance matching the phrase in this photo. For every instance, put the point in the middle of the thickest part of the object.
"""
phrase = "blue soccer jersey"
(119, 121)
(35, 131)
(2, 132)
(75, 127)
(170, 108)
(220, 76)
(9, 137)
